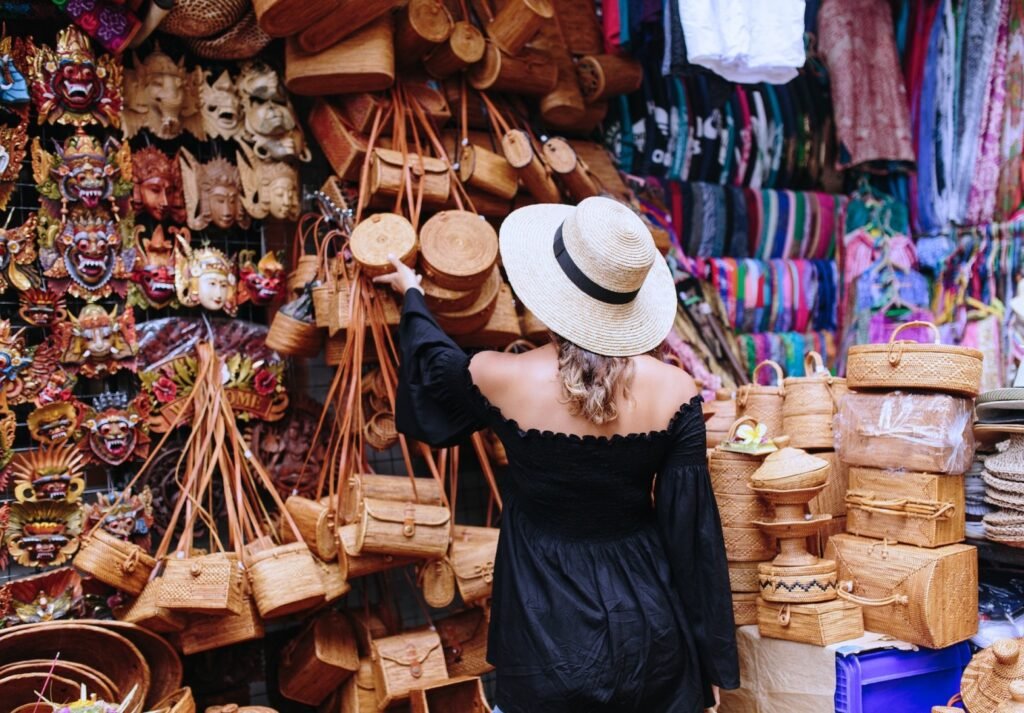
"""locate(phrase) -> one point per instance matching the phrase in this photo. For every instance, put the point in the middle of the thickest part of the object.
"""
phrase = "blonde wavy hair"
(590, 382)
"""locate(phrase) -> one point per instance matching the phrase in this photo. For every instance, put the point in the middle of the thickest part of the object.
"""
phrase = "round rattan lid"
(441, 299)
(380, 235)
(484, 302)
(430, 19)
(791, 468)
(986, 681)
(485, 73)
(458, 249)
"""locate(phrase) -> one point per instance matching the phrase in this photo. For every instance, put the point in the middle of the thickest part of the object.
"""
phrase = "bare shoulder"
(490, 369)
(670, 382)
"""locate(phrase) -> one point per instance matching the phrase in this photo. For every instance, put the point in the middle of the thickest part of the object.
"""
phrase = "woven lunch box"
(811, 404)
(764, 403)
(817, 624)
(730, 471)
(797, 585)
(902, 364)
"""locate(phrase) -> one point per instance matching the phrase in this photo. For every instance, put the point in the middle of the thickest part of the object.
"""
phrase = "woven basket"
(763, 403)
(604, 76)
(747, 544)
(902, 364)
(483, 170)
(203, 18)
(398, 488)
(986, 682)
(730, 471)
(285, 580)
(797, 585)
(305, 271)
(380, 235)
(518, 21)
(819, 624)
(363, 62)
(181, 701)
(281, 18)
(580, 26)
(744, 609)
(475, 317)
(421, 25)
(404, 662)
(334, 575)
(392, 172)
(458, 250)
(464, 46)
(437, 582)
(741, 510)
(473, 552)
(144, 612)
(811, 404)
(380, 431)
(464, 639)
(317, 522)
(204, 633)
(123, 565)
(294, 337)
(205, 584)
(403, 529)
(927, 597)
(530, 72)
(790, 469)
(440, 299)
(832, 500)
(363, 564)
(452, 694)
(347, 17)
(319, 659)
(743, 577)
(913, 508)
(500, 330)
(95, 682)
(243, 40)
(343, 146)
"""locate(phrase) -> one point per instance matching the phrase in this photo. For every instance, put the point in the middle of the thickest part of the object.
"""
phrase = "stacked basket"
(905, 434)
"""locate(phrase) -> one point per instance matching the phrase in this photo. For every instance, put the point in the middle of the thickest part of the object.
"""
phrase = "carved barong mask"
(162, 96)
(71, 86)
(97, 342)
(271, 126)
(259, 282)
(53, 473)
(17, 253)
(56, 422)
(115, 429)
(154, 271)
(44, 597)
(84, 171)
(25, 371)
(42, 307)
(221, 106)
(43, 533)
(205, 277)
(269, 188)
(87, 257)
(213, 193)
(157, 191)
(129, 519)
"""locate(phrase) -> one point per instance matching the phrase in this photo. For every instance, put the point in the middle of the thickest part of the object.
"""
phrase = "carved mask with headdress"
(213, 193)
(205, 277)
(71, 86)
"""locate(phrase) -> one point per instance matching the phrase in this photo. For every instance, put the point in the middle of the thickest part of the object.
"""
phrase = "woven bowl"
(986, 680)
(791, 469)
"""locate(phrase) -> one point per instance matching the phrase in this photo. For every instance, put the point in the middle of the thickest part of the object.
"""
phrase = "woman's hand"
(402, 279)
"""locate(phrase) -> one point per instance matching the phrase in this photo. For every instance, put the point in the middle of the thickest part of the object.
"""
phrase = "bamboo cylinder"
(529, 72)
(520, 154)
(282, 18)
(518, 21)
(563, 106)
(464, 47)
(316, 522)
(363, 62)
(488, 172)
(567, 165)
(420, 26)
(348, 17)
(604, 76)
(389, 487)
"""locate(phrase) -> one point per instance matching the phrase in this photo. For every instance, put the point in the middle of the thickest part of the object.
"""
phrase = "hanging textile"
(1010, 196)
(857, 40)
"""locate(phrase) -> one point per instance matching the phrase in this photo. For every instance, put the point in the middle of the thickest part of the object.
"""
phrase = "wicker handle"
(917, 323)
(736, 424)
(813, 359)
(845, 591)
(779, 375)
(902, 507)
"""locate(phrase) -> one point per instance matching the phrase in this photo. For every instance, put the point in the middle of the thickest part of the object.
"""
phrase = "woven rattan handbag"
(404, 529)
(902, 364)
(465, 693)
(473, 552)
(204, 633)
(464, 638)
(113, 561)
(764, 403)
(731, 471)
(927, 597)
(397, 488)
(412, 659)
(363, 564)
(143, 611)
(458, 250)
(319, 659)
(811, 404)
(816, 624)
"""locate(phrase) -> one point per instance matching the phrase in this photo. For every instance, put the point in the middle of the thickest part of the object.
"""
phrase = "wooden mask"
(97, 342)
(271, 127)
(24, 371)
(115, 428)
(56, 422)
(259, 282)
(213, 193)
(270, 189)
(17, 253)
(88, 258)
(71, 86)
(157, 186)
(84, 171)
(205, 277)
(131, 519)
(221, 106)
(52, 473)
(162, 96)
(43, 534)
(42, 307)
(153, 277)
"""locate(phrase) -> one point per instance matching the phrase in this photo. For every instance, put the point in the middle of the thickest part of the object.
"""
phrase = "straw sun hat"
(591, 274)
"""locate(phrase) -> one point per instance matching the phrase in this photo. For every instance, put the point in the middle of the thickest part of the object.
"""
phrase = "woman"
(603, 600)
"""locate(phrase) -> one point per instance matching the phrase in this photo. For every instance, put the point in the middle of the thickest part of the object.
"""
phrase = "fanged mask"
(154, 271)
(271, 127)
(24, 371)
(54, 473)
(42, 307)
(126, 516)
(116, 429)
(13, 145)
(221, 106)
(260, 283)
(55, 422)
(157, 181)
(213, 193)
(162, 96)
(17, 253)
(46, 597)
(70, 86)
(269, 188)
(84, 171)
(97, 343)
(205, 277)
(43, 533)
(87, 256)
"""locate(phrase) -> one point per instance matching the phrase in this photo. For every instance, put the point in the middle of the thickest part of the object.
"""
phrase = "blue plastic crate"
(894, 681)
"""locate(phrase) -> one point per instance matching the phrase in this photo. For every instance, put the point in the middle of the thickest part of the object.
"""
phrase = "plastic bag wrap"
(898, 430)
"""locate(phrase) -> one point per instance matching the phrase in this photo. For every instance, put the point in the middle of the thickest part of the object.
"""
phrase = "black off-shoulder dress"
(604, 601)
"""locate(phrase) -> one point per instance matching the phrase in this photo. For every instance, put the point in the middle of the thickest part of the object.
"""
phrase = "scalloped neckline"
(645, 436)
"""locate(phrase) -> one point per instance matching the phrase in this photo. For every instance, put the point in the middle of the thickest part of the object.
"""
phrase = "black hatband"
(580, 279)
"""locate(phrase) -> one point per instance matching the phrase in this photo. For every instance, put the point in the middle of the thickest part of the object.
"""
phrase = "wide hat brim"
(527, 253)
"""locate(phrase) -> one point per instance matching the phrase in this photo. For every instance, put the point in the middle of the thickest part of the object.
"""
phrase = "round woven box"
(731, 471)
(458, 249)
(380, 235)
(797, 585)
(747, 544)
(744, 609)
(791, 469)
(741, 510)
(475, 317)
(763, 403)
(441, 299)
(811, 404)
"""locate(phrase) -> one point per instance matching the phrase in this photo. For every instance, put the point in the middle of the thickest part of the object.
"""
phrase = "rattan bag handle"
(814, 364)
(779, 375)
(845, 591)
(896, 346)
(737, 423)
